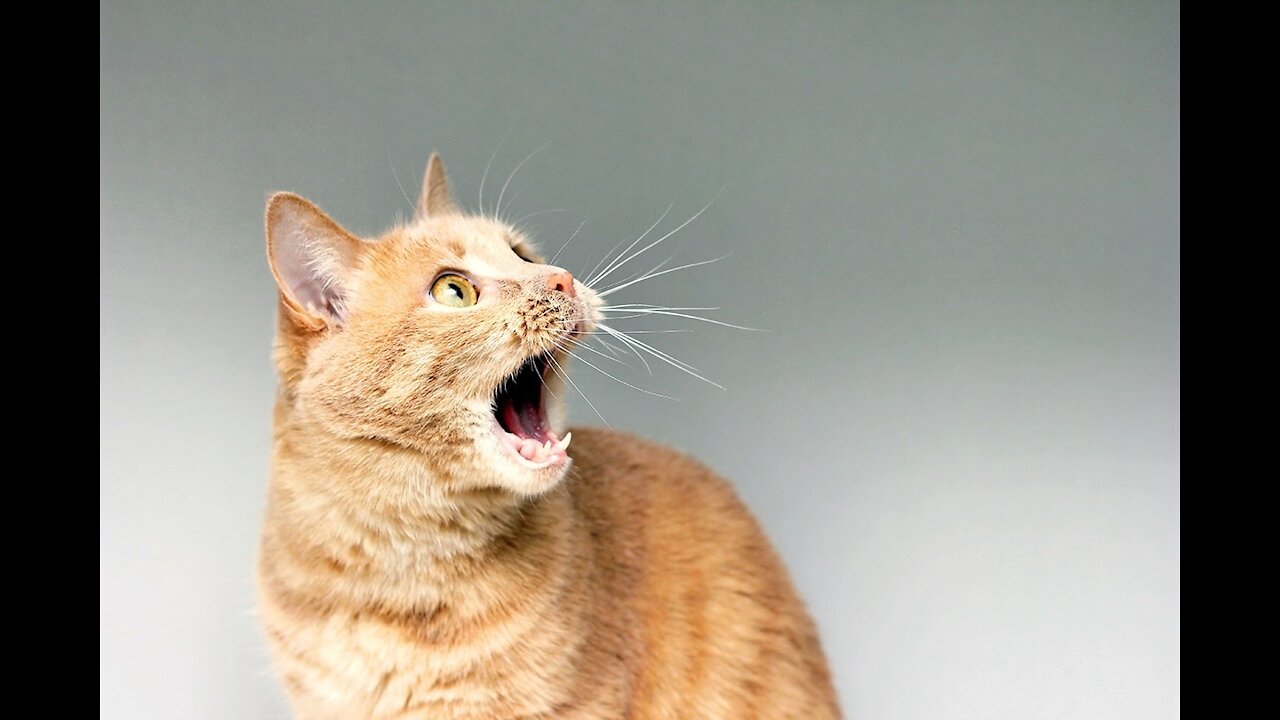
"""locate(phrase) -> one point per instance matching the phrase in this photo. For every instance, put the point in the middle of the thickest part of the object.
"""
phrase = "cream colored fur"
(412, 568)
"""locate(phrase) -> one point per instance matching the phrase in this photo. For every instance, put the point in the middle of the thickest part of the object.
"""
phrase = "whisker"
(489, 164)
(497, 209)
(624, 382)
(644, 362)
(591, 349)
(649, 332)
(588, 275)
(674, 362)
(606, 344)
(694, 317)
(625, 317)
(522, 218)
(611, 267)
(679, 364)
(630, 307)
(566, 243)
(574, 385)
(626, 337)
(514, 195)
(396, 175)
(566, 344)
(638, 273)
(679, 227)
(548, 387)
(651, 275)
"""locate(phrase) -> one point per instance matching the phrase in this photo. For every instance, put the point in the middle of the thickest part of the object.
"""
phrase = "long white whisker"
(514, 195)
(589, 275)
(624, 382)
(566, 243)
(626, 337)
(497, 209)
(574, 385)
(522, 218)
(651, 275)
(613, 265)
(633, 316)
(638, 273)
(632, 307)
(396, 175)
(613, 318)
(607, 345)
(584, 346)
(548, 387)
(648, 332)
(679, 227)
(679, 364)
(489, 164)
(695, 317)
(644, 362)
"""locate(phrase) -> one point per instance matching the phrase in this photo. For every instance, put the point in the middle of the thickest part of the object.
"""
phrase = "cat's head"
(443, 337)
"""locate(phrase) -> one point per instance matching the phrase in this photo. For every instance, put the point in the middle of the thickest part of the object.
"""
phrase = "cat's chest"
(347, 665)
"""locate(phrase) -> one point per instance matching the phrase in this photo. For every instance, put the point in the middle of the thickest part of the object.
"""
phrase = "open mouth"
(520, 409)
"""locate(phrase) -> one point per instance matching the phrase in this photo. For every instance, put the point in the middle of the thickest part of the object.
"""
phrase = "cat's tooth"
(564, 442)
(529, 449)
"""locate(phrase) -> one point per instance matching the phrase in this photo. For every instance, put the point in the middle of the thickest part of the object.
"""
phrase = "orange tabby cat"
(434, 547)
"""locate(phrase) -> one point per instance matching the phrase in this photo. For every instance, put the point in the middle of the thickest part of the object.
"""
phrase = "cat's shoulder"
(612, 462)
(615, 452)
(643, 494)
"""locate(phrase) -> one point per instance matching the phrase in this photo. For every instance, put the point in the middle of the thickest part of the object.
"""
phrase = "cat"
(435, 547)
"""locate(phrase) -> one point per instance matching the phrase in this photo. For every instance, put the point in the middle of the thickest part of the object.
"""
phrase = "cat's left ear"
(313, 259)
(435, 199)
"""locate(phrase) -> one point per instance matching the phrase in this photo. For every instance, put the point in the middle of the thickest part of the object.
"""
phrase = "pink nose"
(562, 282)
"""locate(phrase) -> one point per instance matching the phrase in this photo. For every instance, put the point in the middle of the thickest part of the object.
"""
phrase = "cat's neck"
(412, 549)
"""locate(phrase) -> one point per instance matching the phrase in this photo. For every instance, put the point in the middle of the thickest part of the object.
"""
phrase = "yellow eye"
(454, 290)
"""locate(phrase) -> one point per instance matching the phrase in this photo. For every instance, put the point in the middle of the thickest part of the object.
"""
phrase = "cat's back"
(722, 632)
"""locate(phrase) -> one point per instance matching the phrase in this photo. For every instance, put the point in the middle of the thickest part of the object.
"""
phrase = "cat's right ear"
(313, 259)
(435, 198)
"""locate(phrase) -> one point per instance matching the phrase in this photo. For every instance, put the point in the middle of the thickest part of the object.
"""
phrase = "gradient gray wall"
(959, 223)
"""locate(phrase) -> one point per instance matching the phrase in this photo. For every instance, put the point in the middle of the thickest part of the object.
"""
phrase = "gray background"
(959, 223)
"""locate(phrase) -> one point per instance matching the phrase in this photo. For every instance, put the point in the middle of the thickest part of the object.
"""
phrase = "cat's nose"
(561, 282)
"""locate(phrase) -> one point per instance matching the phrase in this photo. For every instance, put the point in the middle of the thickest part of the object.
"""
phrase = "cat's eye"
(454, 290)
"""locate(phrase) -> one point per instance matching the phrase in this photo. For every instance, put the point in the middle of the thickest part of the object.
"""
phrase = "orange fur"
(411, 569)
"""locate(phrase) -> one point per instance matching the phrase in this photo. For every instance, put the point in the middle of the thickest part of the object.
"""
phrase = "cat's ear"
(435, 199)
(312, 258)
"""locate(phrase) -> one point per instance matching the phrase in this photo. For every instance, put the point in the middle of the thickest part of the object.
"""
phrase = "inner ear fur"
(313, 260)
